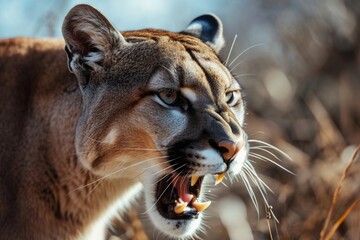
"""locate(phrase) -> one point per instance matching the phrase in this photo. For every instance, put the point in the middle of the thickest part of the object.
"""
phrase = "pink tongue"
(181, 184)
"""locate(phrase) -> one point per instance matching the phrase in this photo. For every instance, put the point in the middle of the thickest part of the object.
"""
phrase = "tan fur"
(60, 165)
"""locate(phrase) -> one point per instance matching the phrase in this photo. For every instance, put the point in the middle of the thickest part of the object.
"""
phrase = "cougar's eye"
(168, 96)
(232, 98)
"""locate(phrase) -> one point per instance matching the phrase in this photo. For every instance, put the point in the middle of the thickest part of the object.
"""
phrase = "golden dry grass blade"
(270, 216)
(337, 193)
(342, 219)
(269, 229)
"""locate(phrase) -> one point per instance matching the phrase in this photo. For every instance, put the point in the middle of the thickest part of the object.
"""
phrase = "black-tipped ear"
(89, 36)
(209, 29)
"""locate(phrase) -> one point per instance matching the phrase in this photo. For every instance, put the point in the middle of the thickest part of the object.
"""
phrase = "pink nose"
(229, 148)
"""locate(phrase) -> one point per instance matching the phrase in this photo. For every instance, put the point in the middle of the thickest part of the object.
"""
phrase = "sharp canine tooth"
(180, 207)
(194, 180)
(201, 206)
(219, 178)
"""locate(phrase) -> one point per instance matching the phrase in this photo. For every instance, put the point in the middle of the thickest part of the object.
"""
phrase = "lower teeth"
(201, 206)
(180, 207)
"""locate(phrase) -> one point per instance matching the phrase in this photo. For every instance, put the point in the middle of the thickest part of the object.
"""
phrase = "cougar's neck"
(72, 199)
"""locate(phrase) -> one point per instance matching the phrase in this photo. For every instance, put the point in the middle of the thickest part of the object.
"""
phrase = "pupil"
(171, 96)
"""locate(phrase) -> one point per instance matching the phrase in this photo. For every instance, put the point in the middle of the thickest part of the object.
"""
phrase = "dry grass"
(335, 197)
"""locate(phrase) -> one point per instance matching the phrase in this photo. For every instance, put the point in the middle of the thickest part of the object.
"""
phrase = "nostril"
(227, 148)
(223, 150)
(231, 147)
(219, 148)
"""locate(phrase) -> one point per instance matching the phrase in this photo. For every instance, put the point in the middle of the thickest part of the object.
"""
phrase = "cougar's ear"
(209, 29)
(89, 37)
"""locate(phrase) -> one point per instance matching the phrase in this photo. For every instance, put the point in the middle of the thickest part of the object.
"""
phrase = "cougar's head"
(158, 107)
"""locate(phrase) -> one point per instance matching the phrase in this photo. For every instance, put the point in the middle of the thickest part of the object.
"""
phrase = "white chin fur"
(174, 228)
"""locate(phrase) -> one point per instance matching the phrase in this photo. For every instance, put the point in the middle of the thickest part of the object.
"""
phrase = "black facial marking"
(178, 156)
(234, 126)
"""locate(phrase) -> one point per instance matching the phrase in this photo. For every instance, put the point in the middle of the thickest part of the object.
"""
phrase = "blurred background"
(298, 62)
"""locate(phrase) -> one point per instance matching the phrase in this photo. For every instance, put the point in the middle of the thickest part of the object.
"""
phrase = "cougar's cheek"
(121, 151)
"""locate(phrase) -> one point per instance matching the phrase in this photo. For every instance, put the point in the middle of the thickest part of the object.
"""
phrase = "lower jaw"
(174, 228)
(179, 228)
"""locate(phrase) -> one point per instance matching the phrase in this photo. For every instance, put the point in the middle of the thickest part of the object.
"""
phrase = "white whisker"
(251, 170)
(260, 157)
(270, 146)
(233, 68)
(244, 75)
(261, 148)
(158, 164)
(174, 183)
(231, 48)
(224, 184)
(170, 71)
(250, 190)
(162, 176)
(92, 190)
(116, 172)
(145, 149)
(253, 46)
(164, 189)
(258, 185)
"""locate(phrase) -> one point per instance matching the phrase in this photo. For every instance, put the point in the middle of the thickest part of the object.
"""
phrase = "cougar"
(84, 130)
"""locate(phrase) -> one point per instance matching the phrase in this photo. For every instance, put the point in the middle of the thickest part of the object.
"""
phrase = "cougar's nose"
(229, 149)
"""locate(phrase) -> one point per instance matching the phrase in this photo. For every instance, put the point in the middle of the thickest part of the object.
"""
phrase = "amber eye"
(232, 98)
(168, 96)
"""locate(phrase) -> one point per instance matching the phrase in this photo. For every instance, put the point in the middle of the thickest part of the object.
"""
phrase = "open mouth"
(178, 196)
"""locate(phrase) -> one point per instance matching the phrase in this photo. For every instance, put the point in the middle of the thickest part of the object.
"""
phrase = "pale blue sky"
(30, 17)
(43, 18)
